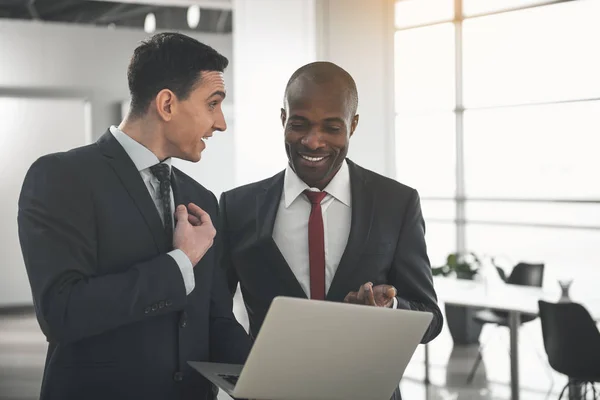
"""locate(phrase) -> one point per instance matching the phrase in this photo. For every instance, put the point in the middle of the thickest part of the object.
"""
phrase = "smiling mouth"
(313, 159)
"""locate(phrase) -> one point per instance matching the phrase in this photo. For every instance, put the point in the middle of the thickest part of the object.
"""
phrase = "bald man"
(326, 228)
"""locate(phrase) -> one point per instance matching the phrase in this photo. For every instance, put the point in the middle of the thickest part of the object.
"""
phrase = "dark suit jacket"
(110, 301)
(386, 245)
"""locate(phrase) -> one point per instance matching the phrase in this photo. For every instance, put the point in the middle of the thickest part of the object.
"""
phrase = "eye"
(212, 105)
(297, 126)
(333, 129)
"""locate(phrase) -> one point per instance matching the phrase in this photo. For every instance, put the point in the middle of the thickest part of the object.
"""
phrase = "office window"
(424, 68)
(497, 127)
(440, 238)
(543, 54)
(533, 213)
(566, 253)
(544, 151)
(419, 12)
(474, 7)
(425, 152)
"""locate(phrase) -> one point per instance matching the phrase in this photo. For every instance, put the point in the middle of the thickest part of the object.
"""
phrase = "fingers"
(360, 298)
(181, 213)
(194, 220)
(392, 292)
(351, 298)
(199, 213)
(369, 296)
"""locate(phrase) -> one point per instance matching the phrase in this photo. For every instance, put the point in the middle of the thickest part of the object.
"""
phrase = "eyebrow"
(217, 93)
(334, 119)
(304, 119)
(298, 117)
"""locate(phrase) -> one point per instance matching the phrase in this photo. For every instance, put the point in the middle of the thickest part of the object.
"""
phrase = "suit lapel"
(267, 204)
(130, 177)
(360, 228)
(180, 194)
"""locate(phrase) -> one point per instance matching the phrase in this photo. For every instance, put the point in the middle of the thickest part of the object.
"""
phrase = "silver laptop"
(318, 350)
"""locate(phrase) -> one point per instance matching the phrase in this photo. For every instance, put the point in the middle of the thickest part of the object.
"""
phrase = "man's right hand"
(194, 233)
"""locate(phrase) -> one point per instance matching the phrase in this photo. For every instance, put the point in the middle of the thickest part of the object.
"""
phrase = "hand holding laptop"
(378, 296)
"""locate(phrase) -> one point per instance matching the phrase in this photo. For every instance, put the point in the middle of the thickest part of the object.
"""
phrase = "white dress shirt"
(290, 232)
(143, 159)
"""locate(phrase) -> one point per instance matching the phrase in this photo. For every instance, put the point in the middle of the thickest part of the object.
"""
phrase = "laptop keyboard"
(230, 378)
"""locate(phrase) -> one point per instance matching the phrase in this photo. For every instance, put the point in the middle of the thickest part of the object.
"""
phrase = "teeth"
(313, 159)
(205, 138)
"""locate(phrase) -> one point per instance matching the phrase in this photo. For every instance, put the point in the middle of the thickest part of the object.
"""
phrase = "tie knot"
(315, 197)
(162, 172)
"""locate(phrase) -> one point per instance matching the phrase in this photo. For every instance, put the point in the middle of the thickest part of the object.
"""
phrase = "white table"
(514, 299)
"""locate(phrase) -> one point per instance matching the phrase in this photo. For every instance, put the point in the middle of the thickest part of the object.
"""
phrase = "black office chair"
(522, 274)
(572, 343)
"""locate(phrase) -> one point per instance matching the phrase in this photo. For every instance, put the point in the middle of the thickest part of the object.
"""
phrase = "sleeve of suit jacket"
(229, 342)
(57, 231)
(411, 271)
(226, 263)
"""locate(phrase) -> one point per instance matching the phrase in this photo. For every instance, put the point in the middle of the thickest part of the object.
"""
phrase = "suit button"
(161, 304)
(168, 303)
(178, 377)
(147, 310)
(154, 307)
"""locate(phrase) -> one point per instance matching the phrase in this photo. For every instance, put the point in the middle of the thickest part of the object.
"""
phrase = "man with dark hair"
(326, 228)
(119, 247)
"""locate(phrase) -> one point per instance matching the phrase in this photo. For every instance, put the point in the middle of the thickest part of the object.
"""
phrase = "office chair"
(522, 274)
(572, 343)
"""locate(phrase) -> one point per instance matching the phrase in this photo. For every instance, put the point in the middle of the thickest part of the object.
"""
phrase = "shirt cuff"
(395, 305)
(187, 269)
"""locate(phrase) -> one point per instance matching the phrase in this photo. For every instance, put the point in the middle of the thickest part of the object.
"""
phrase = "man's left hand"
(378, 296)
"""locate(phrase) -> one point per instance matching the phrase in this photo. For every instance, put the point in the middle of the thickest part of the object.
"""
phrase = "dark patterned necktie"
(162, 172)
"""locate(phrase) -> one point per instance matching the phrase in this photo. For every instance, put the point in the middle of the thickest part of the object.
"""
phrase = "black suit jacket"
(386, 245)
(110, 301)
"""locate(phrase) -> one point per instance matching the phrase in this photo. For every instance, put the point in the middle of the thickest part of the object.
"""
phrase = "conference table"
(514, 299)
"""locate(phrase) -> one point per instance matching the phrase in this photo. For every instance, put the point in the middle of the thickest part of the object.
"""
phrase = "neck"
(322, 184)
(147, 133)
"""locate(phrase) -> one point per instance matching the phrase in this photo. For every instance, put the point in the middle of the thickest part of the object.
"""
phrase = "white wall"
(72, 60)
(358, 35)
(29, 128)
(272, 38)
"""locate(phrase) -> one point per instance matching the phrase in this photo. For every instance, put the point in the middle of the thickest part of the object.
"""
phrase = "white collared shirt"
(143, 159)
(290, 232)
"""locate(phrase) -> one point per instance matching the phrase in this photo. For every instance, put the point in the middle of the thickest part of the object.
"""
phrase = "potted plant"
(463, 328)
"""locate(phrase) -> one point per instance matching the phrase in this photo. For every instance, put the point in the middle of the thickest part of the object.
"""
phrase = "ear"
(165, 103)
(283, 117)
(354, 124)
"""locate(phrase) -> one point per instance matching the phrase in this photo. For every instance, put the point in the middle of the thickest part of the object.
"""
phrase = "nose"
(220, 124)
(312, 140)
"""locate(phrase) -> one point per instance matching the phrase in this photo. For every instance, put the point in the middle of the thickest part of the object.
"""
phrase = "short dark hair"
(168, 61)
(323, 71)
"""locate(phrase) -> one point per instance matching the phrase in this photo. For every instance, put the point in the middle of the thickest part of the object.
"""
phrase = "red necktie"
(316, 245)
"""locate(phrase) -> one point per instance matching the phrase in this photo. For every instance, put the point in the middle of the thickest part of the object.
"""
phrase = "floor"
(22, 351)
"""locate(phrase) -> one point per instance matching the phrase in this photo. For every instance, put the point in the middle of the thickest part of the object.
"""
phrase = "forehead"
(210, 81)
(328, 97)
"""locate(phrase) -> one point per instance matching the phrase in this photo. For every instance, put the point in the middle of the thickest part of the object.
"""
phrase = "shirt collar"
(339, 187)
(141, 156)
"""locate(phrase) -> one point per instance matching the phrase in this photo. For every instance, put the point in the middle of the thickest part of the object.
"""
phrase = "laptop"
(320, 350)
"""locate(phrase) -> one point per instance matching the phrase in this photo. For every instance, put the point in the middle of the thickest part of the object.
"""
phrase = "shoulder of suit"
(192, 183)
(74, 159)
(252, 189)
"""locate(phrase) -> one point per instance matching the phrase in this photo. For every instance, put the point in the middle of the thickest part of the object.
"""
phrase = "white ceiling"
(214, 4)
